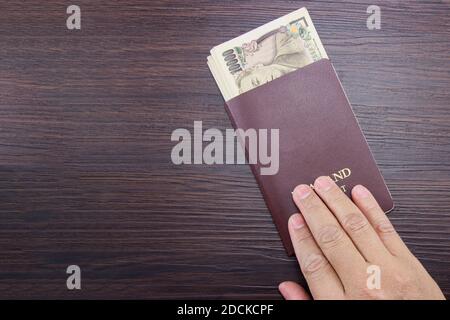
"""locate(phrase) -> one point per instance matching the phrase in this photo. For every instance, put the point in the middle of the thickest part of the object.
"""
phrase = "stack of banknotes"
(265, 53)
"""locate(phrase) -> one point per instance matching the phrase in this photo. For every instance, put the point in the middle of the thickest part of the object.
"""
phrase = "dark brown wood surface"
(86, 116)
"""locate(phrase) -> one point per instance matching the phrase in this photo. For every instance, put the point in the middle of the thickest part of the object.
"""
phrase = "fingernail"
(323, 183)
(281, 286)
(360, 191)
(297, 221)
(302, 191)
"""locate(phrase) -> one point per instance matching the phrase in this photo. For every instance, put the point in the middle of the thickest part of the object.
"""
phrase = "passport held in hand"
(278, 76)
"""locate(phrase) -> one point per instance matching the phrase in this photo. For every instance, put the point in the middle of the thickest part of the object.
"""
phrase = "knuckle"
(312, 203)
(373, 208)
(330, 236)
(303, 235)
(405, 283)
(356, 223)
(384, 227)
(373, 294)
(402, 279)
(337, 196)
(315, 265)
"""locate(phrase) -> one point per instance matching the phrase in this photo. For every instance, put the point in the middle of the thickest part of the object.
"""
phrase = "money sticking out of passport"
(265, 53)
(278, 76)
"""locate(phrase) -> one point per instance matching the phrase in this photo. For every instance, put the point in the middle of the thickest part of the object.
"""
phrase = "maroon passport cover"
(318, 135)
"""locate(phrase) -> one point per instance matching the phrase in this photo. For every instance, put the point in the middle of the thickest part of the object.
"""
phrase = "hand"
(340, 245)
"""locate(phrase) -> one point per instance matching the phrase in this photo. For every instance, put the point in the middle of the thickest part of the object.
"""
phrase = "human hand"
(338, 242)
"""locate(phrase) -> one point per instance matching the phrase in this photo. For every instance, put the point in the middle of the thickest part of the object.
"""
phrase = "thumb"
(291, 290)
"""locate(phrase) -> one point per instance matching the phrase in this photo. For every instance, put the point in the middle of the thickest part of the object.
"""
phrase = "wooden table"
(86, 117)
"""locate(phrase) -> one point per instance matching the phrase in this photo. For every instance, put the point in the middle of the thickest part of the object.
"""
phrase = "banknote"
(265, 53)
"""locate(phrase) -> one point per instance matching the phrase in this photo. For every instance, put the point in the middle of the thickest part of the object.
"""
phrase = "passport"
(318, 135)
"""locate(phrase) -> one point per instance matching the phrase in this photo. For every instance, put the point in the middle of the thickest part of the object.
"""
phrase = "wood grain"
(85, 124)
